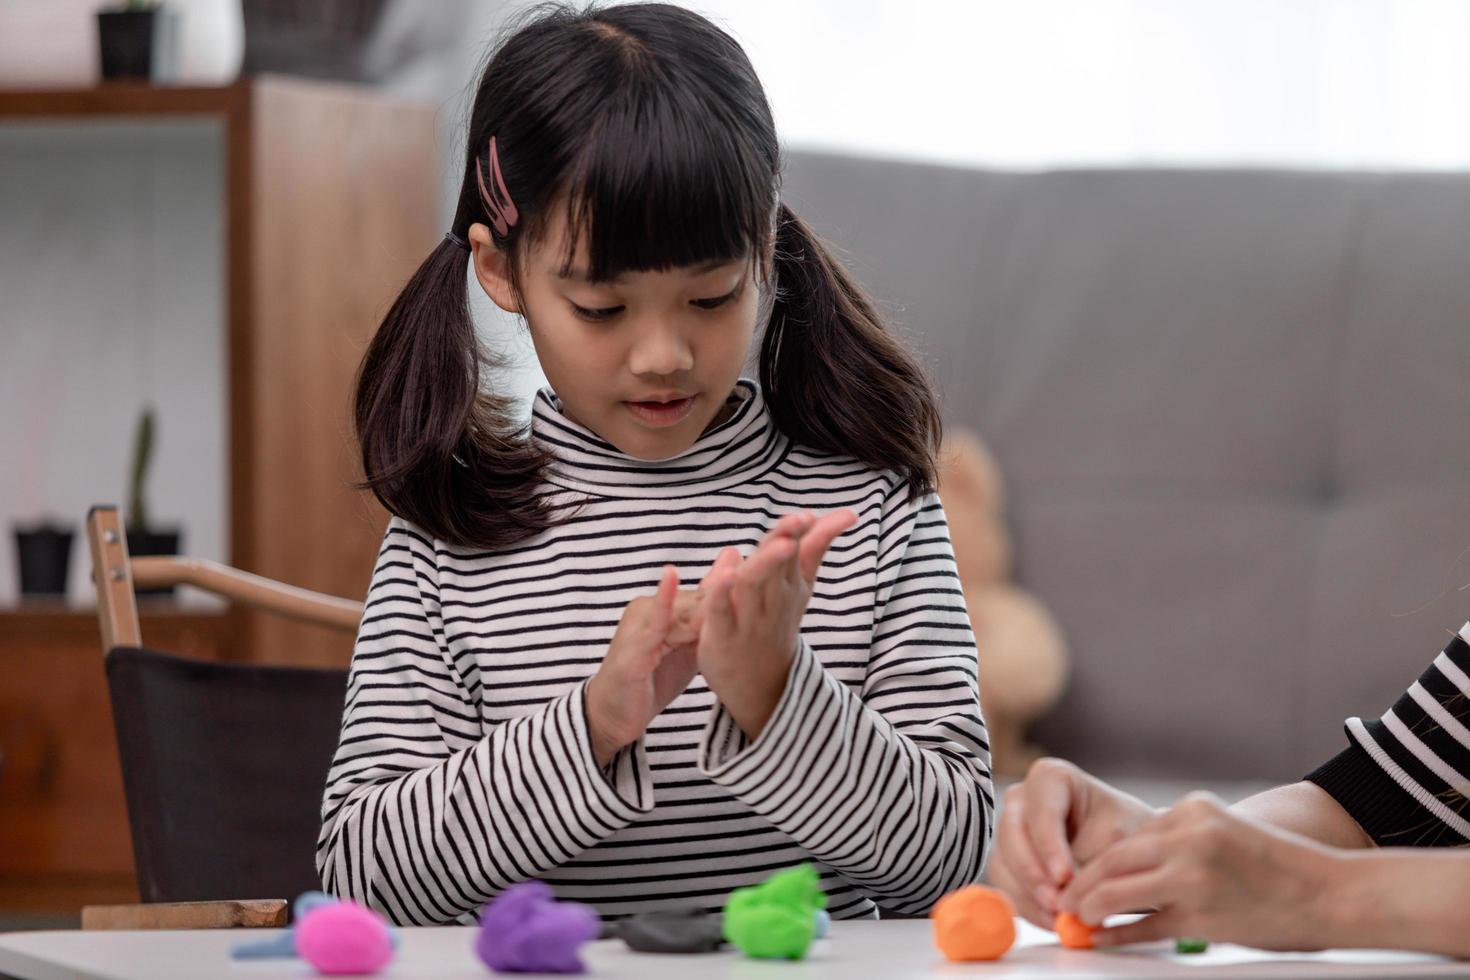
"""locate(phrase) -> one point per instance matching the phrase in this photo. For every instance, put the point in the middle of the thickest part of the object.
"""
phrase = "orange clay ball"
(1073, 932)
(974, 923)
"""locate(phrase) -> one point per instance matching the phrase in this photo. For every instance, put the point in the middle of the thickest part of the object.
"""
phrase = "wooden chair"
(223, 763)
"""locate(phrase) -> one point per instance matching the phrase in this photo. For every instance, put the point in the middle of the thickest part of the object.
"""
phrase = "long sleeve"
(429, 810)
(1405, 777)
(888, 785)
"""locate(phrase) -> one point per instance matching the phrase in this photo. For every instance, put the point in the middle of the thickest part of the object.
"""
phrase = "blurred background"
(1191, 273)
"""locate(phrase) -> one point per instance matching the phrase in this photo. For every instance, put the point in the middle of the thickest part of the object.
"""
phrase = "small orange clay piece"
(974, 923)
(1073, 932)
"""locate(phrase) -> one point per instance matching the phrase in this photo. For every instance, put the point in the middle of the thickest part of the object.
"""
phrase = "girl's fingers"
(688, 615)
(793, 525)
(767, 559)
(753, 578)
(719, 614)
(663, 605)
(789, 529)
(728, 557)
(782, 580)
(815, 542)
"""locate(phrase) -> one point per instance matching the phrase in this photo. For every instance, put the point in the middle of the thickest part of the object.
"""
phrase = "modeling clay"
(776, 919)
(974, 923)
(690, 930)
(1073, 932)
(344, 938)
(526, 930)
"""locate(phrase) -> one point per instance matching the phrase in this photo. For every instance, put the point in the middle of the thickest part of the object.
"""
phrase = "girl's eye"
(718, 301)
(596, 315)
(607, 313)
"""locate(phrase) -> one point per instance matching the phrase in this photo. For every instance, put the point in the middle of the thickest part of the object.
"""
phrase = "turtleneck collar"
(733, 452)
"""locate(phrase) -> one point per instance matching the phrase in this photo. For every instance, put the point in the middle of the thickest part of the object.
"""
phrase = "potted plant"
(43, 555)
(143, 537)
(137, 40)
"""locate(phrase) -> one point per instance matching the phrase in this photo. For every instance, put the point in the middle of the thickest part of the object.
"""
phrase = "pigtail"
(835, 379)
(437, 449)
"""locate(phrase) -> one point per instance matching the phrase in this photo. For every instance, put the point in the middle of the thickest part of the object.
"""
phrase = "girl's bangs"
(652, 197)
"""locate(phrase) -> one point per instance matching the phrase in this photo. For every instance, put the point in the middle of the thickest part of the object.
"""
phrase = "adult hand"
(1211, 873)
(1055, 819)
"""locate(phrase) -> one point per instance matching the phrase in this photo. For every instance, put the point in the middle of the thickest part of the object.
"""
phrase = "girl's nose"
(660, 350)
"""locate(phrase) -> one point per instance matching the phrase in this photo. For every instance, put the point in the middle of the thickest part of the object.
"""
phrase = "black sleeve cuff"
(1383, 808)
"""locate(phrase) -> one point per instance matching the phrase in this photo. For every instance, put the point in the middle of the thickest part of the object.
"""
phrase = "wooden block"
(269, 913)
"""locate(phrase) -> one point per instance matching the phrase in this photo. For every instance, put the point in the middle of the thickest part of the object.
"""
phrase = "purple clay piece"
(526, 930)
(687, 930)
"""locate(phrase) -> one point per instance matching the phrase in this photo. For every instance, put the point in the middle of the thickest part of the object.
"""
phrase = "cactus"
(142, 452)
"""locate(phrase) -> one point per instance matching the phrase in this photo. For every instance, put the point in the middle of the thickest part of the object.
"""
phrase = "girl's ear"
(492, 268)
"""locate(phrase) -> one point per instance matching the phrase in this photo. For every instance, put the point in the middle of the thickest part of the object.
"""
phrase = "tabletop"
(856, 950)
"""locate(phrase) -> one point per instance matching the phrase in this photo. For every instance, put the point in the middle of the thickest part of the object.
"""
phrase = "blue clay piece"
(824, 924)
(280, 946)
(308, 901)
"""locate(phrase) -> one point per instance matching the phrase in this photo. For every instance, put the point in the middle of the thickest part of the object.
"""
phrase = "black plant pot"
(43, 554)
(137, 44)
(154, 541)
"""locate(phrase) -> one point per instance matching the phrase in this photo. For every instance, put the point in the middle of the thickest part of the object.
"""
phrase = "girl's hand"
(1055, 819)
(649, 663)
(1213, 874)
(752, 614)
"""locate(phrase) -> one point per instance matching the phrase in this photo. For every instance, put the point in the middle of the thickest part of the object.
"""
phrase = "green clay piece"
(776, 920)
(1191, 945)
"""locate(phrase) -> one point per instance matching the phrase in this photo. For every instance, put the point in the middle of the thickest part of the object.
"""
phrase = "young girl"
(1342, 858)
(519, 706)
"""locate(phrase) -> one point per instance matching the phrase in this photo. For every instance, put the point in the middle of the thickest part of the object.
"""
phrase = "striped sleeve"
(890, 785)
(1405, 778)
(429, 812)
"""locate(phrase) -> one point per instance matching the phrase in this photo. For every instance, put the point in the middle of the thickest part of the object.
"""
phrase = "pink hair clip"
(503, 213)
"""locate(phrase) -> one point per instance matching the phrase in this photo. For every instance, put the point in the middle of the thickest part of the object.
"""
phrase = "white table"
(857, 951)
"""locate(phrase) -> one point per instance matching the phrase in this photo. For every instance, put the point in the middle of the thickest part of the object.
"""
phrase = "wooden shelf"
(330, 201)
(122, 99)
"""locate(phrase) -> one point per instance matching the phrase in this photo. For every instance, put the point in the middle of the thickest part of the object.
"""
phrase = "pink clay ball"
(344, 938)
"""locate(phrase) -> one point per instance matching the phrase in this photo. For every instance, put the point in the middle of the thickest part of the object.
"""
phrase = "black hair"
(648, 124)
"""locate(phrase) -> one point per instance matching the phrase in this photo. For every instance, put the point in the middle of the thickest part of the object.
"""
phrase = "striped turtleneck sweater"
(464, 763)
(1405, 776)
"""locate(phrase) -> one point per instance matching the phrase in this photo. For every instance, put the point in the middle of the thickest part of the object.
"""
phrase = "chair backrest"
(223, 768)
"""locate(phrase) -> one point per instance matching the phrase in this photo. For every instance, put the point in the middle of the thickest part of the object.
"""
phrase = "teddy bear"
(1023, 655)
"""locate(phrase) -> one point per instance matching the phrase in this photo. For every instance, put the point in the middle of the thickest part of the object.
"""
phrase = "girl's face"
(645, 361)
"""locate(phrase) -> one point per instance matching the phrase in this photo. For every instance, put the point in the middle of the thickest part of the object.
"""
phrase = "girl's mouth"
(661, 414)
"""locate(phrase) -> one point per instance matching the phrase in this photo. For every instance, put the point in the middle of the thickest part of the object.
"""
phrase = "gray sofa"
(1233, 409)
